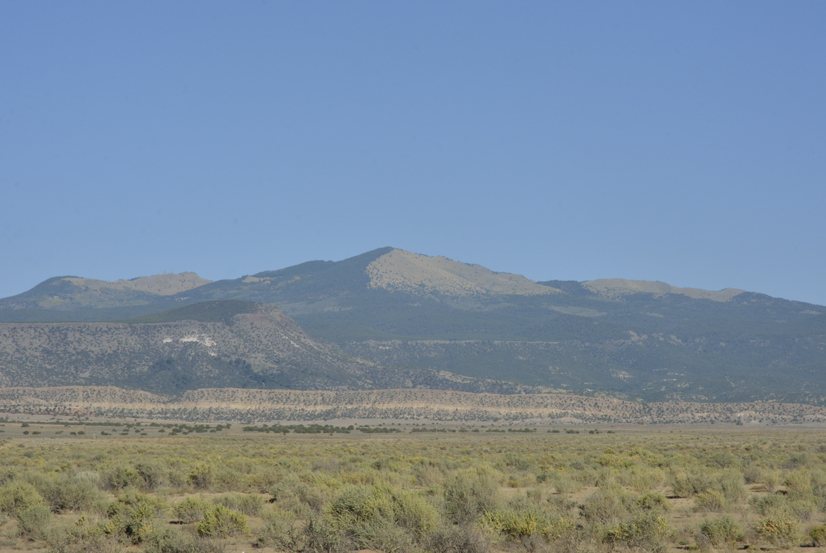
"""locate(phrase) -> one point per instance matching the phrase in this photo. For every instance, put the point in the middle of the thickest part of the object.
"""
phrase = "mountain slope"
(619, 287)
(210, 344)
(76, 299)
(641, 339)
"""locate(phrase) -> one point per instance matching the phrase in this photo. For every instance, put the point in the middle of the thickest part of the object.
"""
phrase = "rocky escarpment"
(211, 344)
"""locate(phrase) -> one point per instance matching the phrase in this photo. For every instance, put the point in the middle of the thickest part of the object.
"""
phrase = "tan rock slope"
(616, 287)
(401, 270)
(163, 285)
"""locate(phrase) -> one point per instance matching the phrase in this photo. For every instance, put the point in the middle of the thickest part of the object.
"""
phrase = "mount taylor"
(391, 318)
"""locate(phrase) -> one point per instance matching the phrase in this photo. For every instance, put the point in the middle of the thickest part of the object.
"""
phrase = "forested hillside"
(389, 307)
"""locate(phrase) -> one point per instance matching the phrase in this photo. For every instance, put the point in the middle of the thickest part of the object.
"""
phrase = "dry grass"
(511, 492)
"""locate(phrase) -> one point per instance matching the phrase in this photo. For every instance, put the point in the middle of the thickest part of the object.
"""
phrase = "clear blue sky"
(674, 141)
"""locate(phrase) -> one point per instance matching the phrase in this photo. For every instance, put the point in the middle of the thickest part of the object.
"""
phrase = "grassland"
(163, 487)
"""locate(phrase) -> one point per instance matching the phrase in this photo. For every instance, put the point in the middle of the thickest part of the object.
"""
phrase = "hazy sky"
(674, 141)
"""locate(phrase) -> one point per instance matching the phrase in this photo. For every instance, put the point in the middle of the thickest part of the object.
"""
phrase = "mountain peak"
(400, 270)
(72, 293)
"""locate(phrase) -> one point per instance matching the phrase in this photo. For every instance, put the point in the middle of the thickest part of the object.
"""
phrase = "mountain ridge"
(620, 287)
(384, 268)
(393, 308)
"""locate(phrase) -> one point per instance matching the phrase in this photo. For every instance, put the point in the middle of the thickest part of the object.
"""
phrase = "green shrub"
(648, 532)
(202, 476)
(802, 509)
(321, 537)
(458, 539)
(365, 512)
(191, 509)
(34, 521)
(710, 500)
(131, 516)
(771, 504)
(226, 479)
(772, 479)
(754, 474)
(152, 475)
(720, 531)
(120, 477)
(722, 460)
(384, 535)
(249, 504)
(608, 504)
(67, 492)
(281, 532)
(565, 484)
(644, 479)
(799, 485)
(175, 541)
(413, 512)
(82, 536)
(818, 535)
(221, 522)
(359, 504)
(518, 525)
(468, 495)
(18, 496)
(607, 477)
(535, 496)
(781, 531)
(819, 482)
(428, 475)
(517, 462)
(690, 484)
(313, 497)
(731, 484)
(654, 501)
(177, 477)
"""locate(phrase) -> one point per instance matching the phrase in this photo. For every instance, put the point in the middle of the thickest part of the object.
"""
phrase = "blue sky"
(674, 141)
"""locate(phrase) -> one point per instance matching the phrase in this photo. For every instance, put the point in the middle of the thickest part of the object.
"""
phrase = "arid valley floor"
(82, 483)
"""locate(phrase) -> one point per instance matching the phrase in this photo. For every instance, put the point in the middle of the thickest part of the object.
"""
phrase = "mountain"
(316, 286)
(638, 339)
(71, 298)
(206, 345)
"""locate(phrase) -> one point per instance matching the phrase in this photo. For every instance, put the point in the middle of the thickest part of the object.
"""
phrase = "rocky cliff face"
(246, 348)
(207, 345)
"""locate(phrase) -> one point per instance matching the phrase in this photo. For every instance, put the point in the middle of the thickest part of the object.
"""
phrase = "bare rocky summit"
(166, 284)
(400, 270)
(618, 287)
